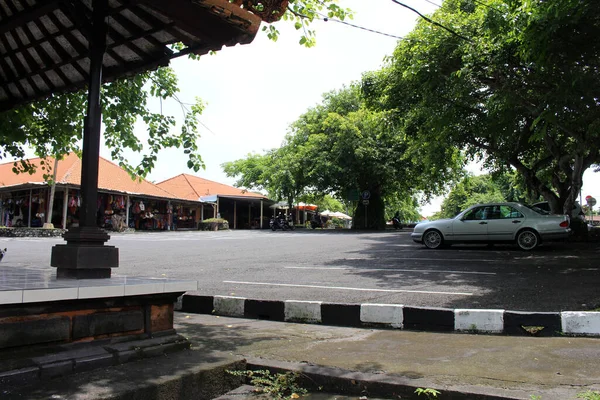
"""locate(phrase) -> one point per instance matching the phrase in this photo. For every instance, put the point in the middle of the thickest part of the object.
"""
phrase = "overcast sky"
(254, 92)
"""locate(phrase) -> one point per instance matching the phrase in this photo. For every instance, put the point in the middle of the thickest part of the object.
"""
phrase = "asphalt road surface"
(350, 267)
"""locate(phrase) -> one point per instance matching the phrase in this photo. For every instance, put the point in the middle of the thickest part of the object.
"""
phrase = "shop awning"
(209, 199)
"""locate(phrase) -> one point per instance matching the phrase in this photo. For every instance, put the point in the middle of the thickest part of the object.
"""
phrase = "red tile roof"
(110, 177)
(192, 187)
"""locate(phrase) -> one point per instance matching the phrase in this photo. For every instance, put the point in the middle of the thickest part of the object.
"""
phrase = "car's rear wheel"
(528, 239)
(433, 239)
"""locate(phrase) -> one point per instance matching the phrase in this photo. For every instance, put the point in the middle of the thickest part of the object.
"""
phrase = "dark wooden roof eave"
(44, 46)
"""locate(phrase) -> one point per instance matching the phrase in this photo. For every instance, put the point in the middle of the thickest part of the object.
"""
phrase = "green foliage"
(213, 224)
(217, 220)
(518, 93)
(589, 395)
(303, 12)
(55, 125)
(276, 385)
(428, 393)
(406, 206)
(323, 202)
(471, 190)
(341, 145)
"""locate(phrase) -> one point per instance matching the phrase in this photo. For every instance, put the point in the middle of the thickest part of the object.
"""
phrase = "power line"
(431, 2)
(326, 19)
(432, 21)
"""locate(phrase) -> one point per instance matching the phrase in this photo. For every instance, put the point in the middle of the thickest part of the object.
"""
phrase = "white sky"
(254, 92)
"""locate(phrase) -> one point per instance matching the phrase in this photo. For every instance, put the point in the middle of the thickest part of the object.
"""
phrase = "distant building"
(177, 203)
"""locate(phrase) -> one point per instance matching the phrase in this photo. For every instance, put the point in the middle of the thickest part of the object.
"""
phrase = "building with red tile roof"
(179, 202)
(192, 187)
(111, 177)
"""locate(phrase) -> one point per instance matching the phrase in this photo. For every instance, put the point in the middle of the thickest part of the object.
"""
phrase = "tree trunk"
(371, 216)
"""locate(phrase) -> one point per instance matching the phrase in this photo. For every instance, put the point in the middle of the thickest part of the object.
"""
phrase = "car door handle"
(516, 221)
(483, 223)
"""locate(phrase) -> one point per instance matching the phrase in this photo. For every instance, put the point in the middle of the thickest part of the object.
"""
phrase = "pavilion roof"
(111, 177)
(191, 187)
(44, 46)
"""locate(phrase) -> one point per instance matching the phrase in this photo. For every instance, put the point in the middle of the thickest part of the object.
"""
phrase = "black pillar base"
(84, 256)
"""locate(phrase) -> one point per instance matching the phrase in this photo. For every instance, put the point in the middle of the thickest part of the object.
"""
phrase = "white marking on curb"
(580, 322)
(228, 305)
(349, 288)
(382, 314)
(398, 269)
(302, 311)
(479, 320)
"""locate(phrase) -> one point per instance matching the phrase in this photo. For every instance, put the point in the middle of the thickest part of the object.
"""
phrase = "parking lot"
(352, 267)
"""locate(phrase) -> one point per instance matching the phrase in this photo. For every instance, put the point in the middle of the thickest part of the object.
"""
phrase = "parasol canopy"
(306, 207)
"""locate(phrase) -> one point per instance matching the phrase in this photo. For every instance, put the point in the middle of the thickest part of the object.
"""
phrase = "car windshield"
(538, 210)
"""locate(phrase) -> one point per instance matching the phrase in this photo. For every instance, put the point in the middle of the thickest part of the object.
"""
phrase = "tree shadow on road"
(555, 277)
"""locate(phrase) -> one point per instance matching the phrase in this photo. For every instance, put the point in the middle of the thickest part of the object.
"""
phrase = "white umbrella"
(340, 215)
(282, 205)
(326, 213)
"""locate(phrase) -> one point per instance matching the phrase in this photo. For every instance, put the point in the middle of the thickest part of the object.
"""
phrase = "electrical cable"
(431, 2)
(432, 21)
(326, 19)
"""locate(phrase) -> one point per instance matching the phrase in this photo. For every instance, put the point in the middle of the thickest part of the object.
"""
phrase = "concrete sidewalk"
(376, 361)
(386, 364)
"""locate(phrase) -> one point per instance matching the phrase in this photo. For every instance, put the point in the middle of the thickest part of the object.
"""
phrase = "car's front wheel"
(433, 239)
(528, 239)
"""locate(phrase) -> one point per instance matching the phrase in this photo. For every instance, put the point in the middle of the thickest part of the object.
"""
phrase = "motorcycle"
(318, 221)
(282, 222)
(396, 223)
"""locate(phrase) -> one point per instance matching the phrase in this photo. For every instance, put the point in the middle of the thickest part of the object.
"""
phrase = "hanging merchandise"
(136, 207)
(72, 205)
(142, 206)
(109, 210)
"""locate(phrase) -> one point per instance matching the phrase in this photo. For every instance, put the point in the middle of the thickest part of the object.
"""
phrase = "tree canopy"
(512, 82)
(342, 146)
(471, 190)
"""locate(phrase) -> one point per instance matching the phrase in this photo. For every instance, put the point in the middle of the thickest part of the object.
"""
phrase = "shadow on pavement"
(554, 277)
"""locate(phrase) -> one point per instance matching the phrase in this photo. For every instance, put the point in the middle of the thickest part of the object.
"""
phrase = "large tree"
(280, 172)
(341, 146)
(512, 82)
(471, 190)
(53, 126)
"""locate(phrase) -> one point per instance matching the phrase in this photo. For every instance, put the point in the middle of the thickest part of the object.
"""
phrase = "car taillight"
(564, 224)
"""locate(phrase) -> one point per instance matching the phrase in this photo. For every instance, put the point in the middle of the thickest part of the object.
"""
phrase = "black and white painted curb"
(581, 323)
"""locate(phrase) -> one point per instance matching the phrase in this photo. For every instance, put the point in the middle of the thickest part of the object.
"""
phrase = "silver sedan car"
(494, 223)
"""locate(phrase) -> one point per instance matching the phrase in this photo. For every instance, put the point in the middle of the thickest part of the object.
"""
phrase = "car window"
(507, 212)
(493, 212)
(538, 210)
(477, 214)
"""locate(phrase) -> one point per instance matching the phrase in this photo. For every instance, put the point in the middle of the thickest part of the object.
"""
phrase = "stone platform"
(52, 327)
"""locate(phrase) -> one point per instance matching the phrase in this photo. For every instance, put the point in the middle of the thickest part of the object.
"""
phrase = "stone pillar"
(234, 214)
(85, 256)
(29, 209)
(127, 206)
